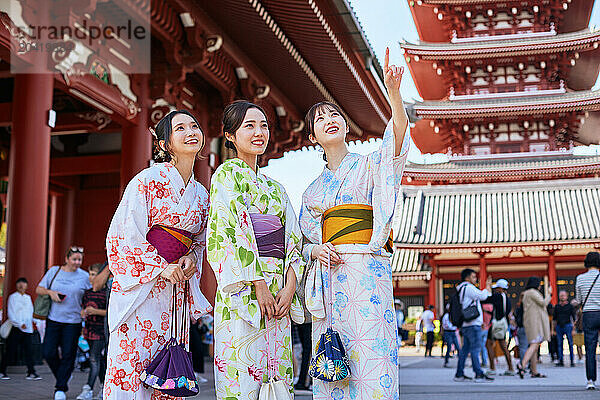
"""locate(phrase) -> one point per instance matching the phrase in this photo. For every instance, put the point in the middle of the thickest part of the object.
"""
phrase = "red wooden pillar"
(203, 173)
(482, 270)
(136, 140)
(28, 172)
(431, 294)
(552, 276)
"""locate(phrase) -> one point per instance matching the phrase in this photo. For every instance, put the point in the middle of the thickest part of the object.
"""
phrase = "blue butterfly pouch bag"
(330, 362)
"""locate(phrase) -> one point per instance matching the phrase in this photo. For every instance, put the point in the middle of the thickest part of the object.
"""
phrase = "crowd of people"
(483, 323)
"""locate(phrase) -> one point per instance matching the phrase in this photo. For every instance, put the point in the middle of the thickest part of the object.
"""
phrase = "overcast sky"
(386, 23)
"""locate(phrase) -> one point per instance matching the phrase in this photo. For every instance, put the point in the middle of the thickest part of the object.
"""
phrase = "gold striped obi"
(350, 224)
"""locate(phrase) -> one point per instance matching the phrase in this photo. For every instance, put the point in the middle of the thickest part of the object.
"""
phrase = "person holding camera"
(470, 298)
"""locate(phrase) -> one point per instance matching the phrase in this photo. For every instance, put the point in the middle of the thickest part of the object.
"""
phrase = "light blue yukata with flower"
(363, 306)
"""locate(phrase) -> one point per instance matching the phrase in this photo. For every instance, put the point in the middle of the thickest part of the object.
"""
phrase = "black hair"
(533, 283)
(96, 267)
(592, 259)
(163, 131)
(309, 119)
(465, 273)
(233, 117)
(21, 279)
(431, 307)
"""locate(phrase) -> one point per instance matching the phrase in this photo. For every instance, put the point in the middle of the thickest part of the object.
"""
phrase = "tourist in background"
(428, 317)
(67, 285)
(536, 323)
(499, 326)
(564, 315)
(94, 313)
(470, 295)
(522, 342)
(19, 311)
(578, 341)
(450, 337)
(399, 319)
(488, 311)
(587, 293)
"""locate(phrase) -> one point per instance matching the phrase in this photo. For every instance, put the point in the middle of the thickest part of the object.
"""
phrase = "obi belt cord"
(170, 243)
(270, 235)
(350, 224)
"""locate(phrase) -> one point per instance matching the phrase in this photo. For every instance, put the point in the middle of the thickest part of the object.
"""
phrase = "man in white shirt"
(428, 327)
(20, 314)
(469, 296)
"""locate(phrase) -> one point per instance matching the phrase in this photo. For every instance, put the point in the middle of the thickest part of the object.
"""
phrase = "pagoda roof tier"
(500, 47)
(585, 100)
(576, 17)
(542, 213)
(432, 84)
(504, 168)
(500, 109)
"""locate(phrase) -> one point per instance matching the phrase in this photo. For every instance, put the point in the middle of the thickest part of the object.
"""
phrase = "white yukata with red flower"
(139, 311)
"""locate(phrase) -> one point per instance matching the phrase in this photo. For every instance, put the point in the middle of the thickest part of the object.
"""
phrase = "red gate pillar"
(431, 294)
(136, 140)
(482, 271)
(28, 177)
(552, 276)
(203, 173)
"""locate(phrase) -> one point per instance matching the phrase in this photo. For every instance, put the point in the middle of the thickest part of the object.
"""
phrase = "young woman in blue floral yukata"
(346, 217)
(253, 241)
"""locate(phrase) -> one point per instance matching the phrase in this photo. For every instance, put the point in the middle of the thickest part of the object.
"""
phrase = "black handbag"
(471, 312)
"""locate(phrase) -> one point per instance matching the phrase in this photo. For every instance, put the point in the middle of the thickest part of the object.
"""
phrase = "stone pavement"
(420, 379)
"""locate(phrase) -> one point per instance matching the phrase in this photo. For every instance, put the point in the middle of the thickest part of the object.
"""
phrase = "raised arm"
(393, 80)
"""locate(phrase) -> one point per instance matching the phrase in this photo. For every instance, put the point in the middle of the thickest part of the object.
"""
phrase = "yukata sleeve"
(232, 248)
(385, 170)
(131, 258)
(200, 305)
(310, 224)
(293, 255)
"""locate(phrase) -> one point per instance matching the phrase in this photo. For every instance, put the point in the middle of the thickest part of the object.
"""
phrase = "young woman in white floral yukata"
(139, 313)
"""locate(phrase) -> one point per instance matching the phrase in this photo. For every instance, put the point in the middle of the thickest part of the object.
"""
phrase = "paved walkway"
(420, 379)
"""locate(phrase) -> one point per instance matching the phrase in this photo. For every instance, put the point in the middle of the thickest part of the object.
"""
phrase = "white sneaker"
(86, 393)
(591, 385)
(201, 379)
(60, 395)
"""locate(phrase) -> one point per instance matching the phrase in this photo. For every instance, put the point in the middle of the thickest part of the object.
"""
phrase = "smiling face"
(74, 260)
(329, 126)
(186, 138)
(252, 137)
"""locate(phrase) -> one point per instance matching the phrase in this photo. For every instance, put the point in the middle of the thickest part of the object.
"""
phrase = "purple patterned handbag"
(171, 371)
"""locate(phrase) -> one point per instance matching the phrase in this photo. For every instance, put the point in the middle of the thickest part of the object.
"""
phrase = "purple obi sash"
(270, 235)
(170, 243)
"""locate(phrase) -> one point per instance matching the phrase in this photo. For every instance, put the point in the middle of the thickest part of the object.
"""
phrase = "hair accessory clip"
(153, 132)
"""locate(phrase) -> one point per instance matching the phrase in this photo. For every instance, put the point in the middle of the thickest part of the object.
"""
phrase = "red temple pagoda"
(507, 94)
